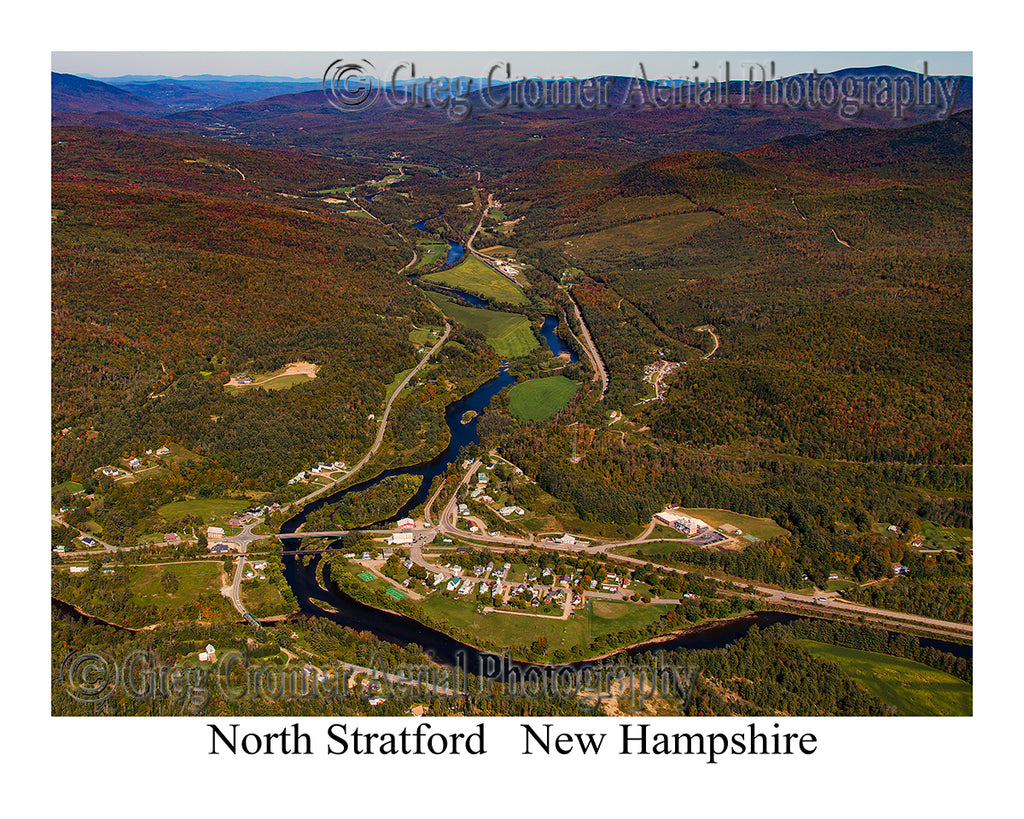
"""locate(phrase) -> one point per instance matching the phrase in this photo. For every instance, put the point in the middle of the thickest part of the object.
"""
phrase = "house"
(418, 710)
(386, 553)
(163, 451)
(259, 565)
(453, 584)
(219, 548)
(833, 576)
(609, 587)
(566, 538)
(172, 537)
(467, 587)
(78, 569)
(407, 564)
(214, 532)
(135, 463)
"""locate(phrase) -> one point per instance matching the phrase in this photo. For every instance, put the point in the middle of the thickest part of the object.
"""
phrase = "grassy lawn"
(508, 630)
(540, 398)
(396, 381)
(609, 617)
(473, 276)
(194, 579)
(945, 537)
(761, 528)
(425, 336)
(70, 486)
(260, 596)
(204, 508)
(508, 333)
(914, 689)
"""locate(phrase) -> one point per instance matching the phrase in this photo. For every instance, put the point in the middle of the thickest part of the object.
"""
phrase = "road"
(589, 347)
(707, 328)
(832, 602)
(381, 427)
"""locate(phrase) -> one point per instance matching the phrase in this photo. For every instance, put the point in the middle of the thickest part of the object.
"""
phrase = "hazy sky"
(678, 64)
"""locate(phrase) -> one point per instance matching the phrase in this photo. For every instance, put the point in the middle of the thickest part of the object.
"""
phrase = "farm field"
(475, 277)
(540, 398)
(645, 238)
(203, 508)
(912, 688)
(194, 580)
(508, 333)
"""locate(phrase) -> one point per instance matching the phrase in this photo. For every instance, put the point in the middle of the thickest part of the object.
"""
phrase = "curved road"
(382, 426)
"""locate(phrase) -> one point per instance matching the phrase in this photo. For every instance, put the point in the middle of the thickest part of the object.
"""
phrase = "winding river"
(401, 630)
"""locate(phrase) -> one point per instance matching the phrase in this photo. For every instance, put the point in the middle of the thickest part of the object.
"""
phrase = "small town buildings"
(406, 523)
(163, 451)
(400, 539)
(172, 537)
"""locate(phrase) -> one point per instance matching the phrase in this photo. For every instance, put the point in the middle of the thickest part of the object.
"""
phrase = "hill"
(176, 264)
(71, 93)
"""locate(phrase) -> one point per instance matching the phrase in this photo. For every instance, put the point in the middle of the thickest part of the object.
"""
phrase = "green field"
(540, 398)
(260, 597)
(609, 616)
(70, 486)
(761, 528)
(203, 508)
(425, 336)
(945, 537)
(507, 630)
(431, 253)
(396, 381)
(475, 277)
(912, 688)
(194, 579)
(643, 238)
(508, 333)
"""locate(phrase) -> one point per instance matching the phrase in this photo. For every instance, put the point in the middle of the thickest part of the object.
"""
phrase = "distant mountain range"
(285, 113)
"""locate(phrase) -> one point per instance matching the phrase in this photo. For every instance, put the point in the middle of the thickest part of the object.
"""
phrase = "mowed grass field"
(761, 528)
(203, 508)
(507, 630)
(610, 617)
(473, 276)
(508, 333)
(194, 579)
(540, 398)
(912, 688)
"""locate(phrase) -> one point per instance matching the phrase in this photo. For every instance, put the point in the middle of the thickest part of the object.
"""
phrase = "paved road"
(382, 425)
(590, 348)
(832, 601)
